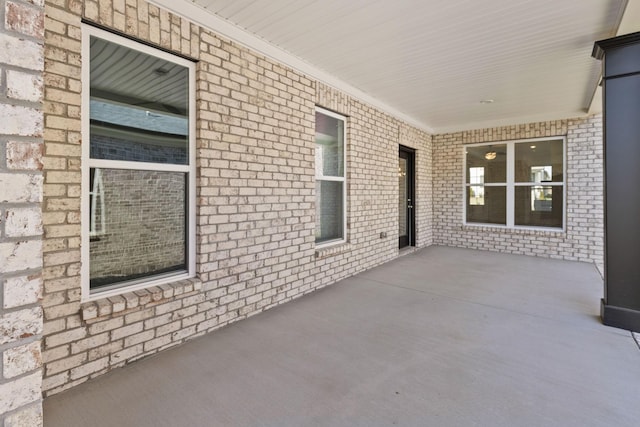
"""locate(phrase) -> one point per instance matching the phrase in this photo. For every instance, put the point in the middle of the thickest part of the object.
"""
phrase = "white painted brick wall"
(21, 229)
(22, 290)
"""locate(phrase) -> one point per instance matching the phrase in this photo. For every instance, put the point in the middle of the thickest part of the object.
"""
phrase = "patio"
(441, 336)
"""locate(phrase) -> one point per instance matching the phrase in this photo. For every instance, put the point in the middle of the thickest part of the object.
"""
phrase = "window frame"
(87, 163)
(342, 179)
(510, 185)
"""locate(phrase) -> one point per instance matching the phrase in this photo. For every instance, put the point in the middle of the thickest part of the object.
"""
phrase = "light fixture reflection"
(490, 155)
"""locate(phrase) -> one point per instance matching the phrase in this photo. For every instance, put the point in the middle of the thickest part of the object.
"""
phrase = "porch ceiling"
(433, 62)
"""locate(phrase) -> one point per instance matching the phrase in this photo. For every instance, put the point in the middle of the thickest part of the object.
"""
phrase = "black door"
(406, 191)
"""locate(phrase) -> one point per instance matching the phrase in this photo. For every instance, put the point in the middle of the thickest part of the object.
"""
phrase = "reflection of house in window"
(541, 196)
(96, 202)
(476, 189)
(140, 166)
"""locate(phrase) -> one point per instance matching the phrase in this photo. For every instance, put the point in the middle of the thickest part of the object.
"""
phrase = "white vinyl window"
(517, 184)
(138, 165)
(330, 166)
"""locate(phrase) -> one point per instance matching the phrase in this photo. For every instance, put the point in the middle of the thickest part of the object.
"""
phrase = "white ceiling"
(432, 62)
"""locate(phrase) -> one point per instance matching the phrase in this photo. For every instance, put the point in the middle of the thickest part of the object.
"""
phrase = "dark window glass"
(494, 207)
(539, 161)
(493, 161)
(539, 206)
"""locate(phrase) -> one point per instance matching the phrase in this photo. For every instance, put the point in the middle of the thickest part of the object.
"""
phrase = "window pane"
(139, 106)
(476, 195)
(144, 226)
(329, 211)
(494, 207)
(539, 161)
(329, 146)
(491, 159)
(538, 206)
(404, 196)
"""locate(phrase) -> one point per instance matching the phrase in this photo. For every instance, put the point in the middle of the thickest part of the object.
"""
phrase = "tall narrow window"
(516, 183)
(330, 177)
(138, 165)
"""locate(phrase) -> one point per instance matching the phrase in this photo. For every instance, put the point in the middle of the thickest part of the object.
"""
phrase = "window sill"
(121, 304)
(332, 249)
(551, 232)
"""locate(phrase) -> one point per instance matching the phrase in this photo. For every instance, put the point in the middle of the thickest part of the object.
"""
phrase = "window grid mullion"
(140, 166)
(330, 178)
(510, 184)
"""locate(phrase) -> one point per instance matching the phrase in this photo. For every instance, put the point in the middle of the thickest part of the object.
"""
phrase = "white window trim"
(87, 163)
(510, 185)
(342, 179)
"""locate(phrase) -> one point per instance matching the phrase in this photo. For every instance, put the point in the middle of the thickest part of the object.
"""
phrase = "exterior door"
(406, 191)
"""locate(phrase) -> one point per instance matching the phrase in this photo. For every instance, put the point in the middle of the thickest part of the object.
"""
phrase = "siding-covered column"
(21, 133)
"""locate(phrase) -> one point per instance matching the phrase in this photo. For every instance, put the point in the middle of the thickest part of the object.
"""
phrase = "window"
(330, 178)
(138, 180)
(515, 184)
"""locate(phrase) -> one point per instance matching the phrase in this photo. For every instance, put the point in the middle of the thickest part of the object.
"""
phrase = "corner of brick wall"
(583, 238)
(21, 188)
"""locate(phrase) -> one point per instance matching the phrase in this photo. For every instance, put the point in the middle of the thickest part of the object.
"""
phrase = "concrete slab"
(442, 337)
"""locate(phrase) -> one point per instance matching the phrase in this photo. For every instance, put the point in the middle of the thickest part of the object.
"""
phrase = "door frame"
(409, 154)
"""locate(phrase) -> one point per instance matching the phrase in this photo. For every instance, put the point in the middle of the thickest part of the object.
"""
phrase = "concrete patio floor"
(439, 337)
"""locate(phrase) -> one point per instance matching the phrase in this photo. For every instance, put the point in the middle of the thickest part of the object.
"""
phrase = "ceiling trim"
(206, 19)
(628, 24)
(511, 121)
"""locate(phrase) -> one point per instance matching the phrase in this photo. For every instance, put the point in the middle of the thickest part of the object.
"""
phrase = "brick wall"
(255, 243)
(21, 130)
(583, 238)
(156, 244)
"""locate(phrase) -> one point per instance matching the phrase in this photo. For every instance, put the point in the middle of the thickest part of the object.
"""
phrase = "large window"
(515, 184)
(138, 181)
(330, 178)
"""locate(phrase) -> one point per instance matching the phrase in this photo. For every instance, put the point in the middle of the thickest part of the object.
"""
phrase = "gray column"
(621, 95)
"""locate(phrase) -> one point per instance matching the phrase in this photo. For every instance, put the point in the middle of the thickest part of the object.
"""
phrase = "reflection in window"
(541, 173)
(96, 203)
(538, 206)
(476, 192)
(541, 199)
(529, 194)
(140, 183)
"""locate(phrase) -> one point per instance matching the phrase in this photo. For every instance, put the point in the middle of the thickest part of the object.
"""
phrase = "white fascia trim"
(214, 23)
(628, 23)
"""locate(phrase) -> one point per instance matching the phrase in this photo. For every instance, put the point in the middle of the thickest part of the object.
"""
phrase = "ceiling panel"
(435, 60)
